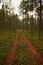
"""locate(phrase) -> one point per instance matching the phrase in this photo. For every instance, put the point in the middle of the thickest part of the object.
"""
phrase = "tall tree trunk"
(40, 22)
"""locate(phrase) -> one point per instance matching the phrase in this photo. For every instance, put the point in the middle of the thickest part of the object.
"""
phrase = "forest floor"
(10, 60)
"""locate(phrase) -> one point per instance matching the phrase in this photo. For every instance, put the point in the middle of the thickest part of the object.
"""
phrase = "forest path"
(11, 55)
(33, 49)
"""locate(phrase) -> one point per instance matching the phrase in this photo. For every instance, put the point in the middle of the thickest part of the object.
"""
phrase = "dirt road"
(11, 55)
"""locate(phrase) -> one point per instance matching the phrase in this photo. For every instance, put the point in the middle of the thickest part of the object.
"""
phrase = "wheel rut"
(33, 49)
(11, 55)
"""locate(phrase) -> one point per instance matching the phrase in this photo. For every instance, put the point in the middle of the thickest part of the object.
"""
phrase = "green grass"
(34, 38)
(24, 55)
(6, 40)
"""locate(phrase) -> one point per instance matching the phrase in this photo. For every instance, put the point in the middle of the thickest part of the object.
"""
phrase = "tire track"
(11, 55)
(36, 54)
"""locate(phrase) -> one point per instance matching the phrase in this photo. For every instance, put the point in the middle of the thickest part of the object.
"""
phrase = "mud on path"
(36, 54)
(12, 53)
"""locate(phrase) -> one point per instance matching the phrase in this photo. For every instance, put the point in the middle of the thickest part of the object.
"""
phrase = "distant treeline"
(8, 20)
